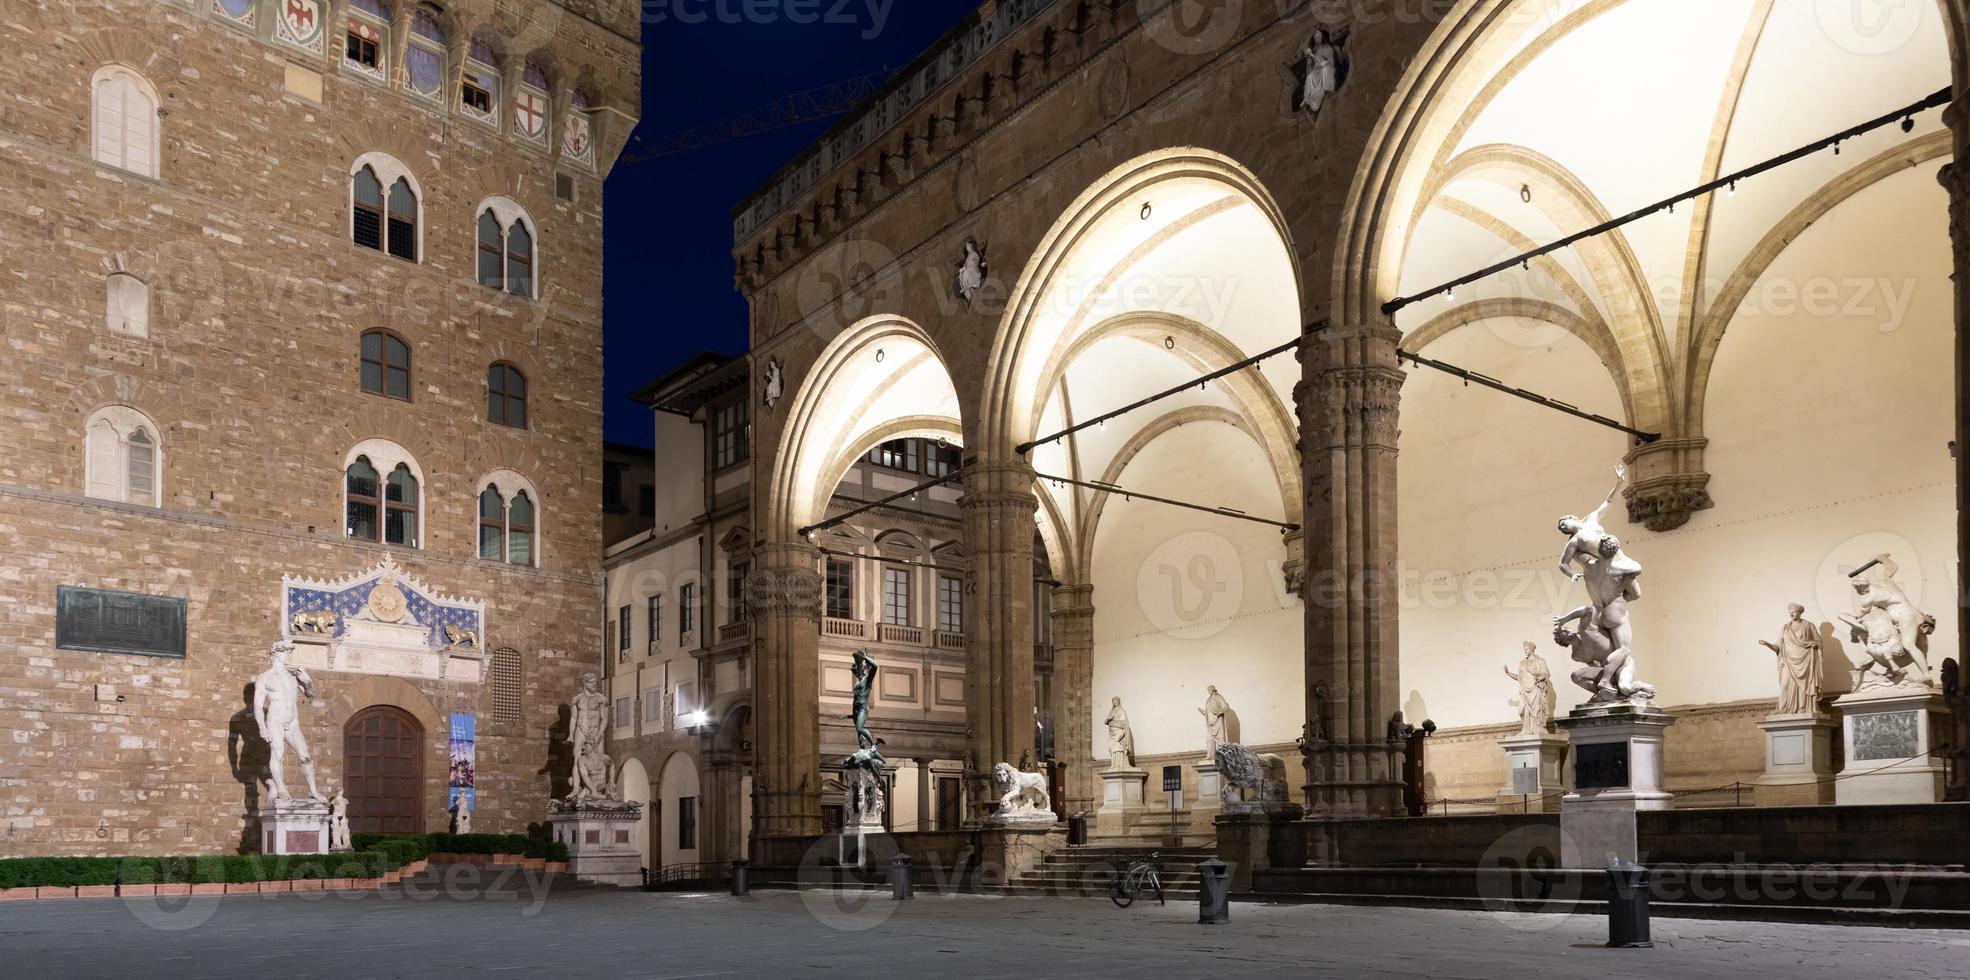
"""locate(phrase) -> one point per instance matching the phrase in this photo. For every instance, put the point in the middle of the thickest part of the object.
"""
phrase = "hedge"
(63, 872)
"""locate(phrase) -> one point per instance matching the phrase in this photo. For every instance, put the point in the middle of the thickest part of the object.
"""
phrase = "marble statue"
(1613, 581)
(1026, 792)
(1536, 699)
(277, 695)
(322, 622)
(461, 816)
(1584, 534)
(864, 670)
(1121, 739)
(861, 775)
(1890, 629)
(971, 270)
(1322, 58)
(587, 725)
(1798, 651)
(1250, 777)
(338, 823)
(1215, 710)
(772, 384)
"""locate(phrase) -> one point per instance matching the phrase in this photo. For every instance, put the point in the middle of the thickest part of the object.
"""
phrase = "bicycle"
(1140, 876)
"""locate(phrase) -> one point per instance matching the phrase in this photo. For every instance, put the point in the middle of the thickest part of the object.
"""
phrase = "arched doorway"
(383, 759)
(635, 783)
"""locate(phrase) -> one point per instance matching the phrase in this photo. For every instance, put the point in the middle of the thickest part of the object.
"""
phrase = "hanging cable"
(1903, 115)
(1230, 512)
(1027, 447)
(1494, 384)
(810, 530)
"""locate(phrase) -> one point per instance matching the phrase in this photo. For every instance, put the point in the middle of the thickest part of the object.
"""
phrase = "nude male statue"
(277, 694)
(1584, 535)
(1613, 581)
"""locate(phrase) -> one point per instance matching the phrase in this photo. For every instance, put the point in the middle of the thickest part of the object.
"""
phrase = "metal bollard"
(1213, 892)
(1628, 906)
(742, 877)
(899, 878)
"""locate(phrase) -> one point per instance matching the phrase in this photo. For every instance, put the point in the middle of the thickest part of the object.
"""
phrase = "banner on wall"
(464, 761)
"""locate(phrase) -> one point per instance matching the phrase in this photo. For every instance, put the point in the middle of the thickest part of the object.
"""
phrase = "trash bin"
(1077, 829)
(1213, 891)
(1628, 905)
(899, 878)
(741, 877)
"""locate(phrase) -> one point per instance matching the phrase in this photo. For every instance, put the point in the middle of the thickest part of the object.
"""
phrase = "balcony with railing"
(850, 629)
(949, 641)
(893, 633)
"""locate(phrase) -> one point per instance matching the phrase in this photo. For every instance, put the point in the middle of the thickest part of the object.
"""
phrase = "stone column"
(784, 591)
(998, 507)
(1957, 117)
(1348, 404)
(923, 794)
(1073, 692)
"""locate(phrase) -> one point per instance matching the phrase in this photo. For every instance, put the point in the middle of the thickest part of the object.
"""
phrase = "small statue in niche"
(1323, 68)
(772, 384)
(972, 269)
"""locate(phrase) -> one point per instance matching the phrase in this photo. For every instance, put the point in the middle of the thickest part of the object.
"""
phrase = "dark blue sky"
(668, 270)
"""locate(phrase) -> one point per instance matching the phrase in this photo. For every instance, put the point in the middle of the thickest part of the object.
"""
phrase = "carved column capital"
(1667, 483)
(786, 584)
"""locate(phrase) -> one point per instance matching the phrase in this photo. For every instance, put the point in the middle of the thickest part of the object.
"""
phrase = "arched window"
(364, 50)
(506, 395)
(492, 525)
(382, 509)
(125, 121)
(509, 519)
(384, 207)
(424, 57)
(506, 248)
(121, 459)
(129, 305)
(385, 365)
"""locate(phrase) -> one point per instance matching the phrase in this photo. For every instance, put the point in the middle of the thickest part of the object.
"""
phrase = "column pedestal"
(601, 841)
(1617, 772)
(294, 827)
(1533, 781)
(1798, 761)
(1210, 786)
(1890, 737)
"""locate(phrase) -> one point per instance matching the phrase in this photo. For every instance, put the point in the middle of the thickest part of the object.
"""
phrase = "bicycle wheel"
(1124, 893)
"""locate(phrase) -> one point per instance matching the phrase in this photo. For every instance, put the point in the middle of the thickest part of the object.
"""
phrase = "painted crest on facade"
(381, 621)
(575, 142)
(301, 24)
(530, 115)
(238, 11)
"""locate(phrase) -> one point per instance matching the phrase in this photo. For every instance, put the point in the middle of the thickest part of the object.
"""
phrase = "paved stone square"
(593, 933)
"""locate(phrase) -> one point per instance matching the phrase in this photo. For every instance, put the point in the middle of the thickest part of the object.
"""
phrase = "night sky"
(668, 277)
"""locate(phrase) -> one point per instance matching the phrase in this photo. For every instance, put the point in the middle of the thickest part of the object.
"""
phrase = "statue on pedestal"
(1537, 698)
(587, 725)
(1584, 534)
(1025, 797)
(1214, 711)
(1121, 739)
(861, 775)
(338, 823)
(864, 671)
(1798, 651)
(1890, 629)
(277, 694)
(461, 816)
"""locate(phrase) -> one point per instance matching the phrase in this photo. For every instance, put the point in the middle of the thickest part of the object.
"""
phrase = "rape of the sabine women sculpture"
(1890, 629)
(1605, 641)
(1798, 652)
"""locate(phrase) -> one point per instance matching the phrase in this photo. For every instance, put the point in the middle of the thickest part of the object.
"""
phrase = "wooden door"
(383, 756)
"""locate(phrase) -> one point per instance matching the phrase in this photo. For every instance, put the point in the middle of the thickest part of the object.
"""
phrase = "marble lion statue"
(1024, 790)
(313, 622)
(1251, 776)
(461, 637)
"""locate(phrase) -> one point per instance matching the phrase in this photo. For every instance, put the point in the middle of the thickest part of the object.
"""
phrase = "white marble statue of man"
(587, 724)
(1584, 534)
(338, 823)
(1798, 651)
(1613, 581)
(1536, 699)
(277, 695)
(1121, 739)
(1214, 711)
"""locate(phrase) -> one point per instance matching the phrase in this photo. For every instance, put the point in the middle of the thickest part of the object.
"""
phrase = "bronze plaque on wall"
(120, 622)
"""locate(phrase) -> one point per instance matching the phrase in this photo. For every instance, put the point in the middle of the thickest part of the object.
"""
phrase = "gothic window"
(478, 90)
(424, 57)
(368, 221)
(124, 123)
(122, 460)
(129, 305)
(364, 50)
(509, 520)
(506, 395)
(403, 220)
(384, 207)
(385, 365)
(506, 248)
(383, 495)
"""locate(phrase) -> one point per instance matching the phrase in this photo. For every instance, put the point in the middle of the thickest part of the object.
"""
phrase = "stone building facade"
(303, 327)
(1063, 207)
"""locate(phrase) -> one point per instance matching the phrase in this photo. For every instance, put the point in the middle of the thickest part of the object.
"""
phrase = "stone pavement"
(572, 932)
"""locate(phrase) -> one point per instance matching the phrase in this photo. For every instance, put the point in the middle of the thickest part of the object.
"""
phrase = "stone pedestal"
(1891, 737)
(1210, 785)
(1010, 850)
(1617, 772)
(294, 827)
(1533, 781)
(1249, 842)
(1798, 761)
(601, 841)
(1121, 800)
